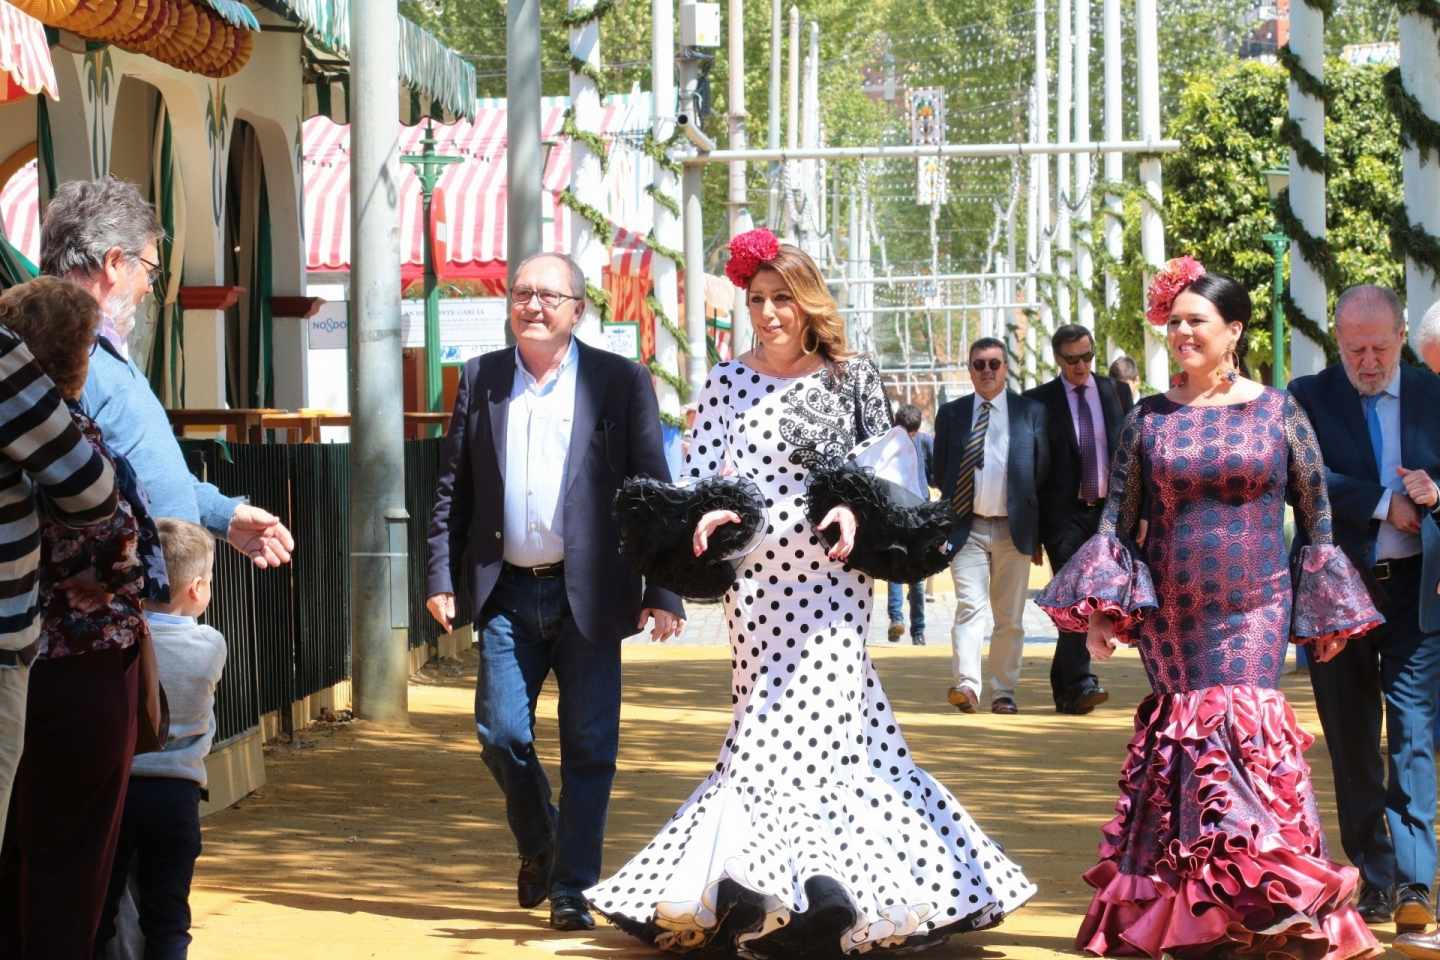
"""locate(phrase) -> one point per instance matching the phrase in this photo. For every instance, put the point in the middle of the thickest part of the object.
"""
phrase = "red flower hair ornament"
(1168, 284)
(748, 252)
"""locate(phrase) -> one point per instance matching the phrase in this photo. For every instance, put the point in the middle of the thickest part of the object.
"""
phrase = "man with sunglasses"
(1083, 412)
(542, 436)
(991, 456)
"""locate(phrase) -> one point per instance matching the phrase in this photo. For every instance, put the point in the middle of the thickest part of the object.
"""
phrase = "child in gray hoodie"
(160, 833)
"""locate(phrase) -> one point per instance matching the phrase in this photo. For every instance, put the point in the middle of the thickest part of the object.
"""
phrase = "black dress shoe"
(1375, 904)
(532, 883)
(571, 913)
(1412, 908)
(1084, 700)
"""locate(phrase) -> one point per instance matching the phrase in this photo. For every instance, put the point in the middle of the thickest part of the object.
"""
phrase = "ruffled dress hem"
(1239, 862)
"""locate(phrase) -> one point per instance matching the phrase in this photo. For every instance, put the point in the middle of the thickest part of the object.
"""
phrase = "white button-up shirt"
(990, 478)
(1097, 419)
(1390, 543)
(537, 442)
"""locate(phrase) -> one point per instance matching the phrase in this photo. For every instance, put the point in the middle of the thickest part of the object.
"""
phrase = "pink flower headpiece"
(1167, 284)
(748, 251)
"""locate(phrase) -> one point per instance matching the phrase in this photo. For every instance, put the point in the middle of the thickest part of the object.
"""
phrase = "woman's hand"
(1100, 639)
(844, 516)
(708, 524)
(1328, 648)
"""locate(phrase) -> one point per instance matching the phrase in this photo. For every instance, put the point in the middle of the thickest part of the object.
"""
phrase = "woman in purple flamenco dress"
(1216, 848)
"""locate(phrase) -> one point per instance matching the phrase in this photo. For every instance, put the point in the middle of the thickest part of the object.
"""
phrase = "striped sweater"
(41, 450)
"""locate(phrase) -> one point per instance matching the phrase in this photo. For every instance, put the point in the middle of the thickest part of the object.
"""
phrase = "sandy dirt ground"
(392, 843)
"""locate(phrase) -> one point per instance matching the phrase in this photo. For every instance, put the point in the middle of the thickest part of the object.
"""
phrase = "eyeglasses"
(548, 298)
(152, 270)
(1076, 359)
(95, 343)
(981, 365)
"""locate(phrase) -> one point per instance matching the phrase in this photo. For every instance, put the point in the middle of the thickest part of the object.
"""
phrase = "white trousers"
(988, 568)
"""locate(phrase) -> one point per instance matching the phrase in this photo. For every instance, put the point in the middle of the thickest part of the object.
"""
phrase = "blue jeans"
(917, 606)
(525, 632)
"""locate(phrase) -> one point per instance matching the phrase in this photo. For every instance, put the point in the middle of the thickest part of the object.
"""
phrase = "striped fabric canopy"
(20, 210)
(25, 66)
(471, 198)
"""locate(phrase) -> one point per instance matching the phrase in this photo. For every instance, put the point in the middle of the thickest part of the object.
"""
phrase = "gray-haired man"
(104, 236)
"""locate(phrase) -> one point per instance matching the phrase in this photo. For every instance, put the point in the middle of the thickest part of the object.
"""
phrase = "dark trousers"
(526, 631)
(65, 812)
(159, 843)
(895, 596)
(1387, 831)
(1070, 667)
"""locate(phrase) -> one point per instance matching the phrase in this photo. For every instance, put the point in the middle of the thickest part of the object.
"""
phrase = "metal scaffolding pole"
(379, 523)
(1152, 147)
(740, 221)
(774, 215)
(522, 127)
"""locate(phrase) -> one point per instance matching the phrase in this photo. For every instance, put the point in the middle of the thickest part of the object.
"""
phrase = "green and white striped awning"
(438, 73)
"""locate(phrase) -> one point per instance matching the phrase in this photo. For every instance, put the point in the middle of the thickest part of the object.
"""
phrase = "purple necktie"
(1089, 460)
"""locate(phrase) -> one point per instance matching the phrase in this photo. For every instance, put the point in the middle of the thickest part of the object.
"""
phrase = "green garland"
(665, 251)
(1315, 249)
(1306, 326)
(1326, 7)
(682, 389)
(599, 298)
(1425, 8)
(597, 220)
(1306, 152)
(663, 200)
(568, 128)
(581, 18)
(681, 342)
(586, 69)
(1417, 130)
(1411, 240)
(658, 151)
(1304, 79)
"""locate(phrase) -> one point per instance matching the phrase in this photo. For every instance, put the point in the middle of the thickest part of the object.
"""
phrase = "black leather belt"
(1390, 569)
(19, 658)
(546, 571)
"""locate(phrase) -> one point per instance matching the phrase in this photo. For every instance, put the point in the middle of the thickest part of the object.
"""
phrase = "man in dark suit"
(1375, 422)
(908, 416)
(991, 457)
(541, 437)
(1083, 413)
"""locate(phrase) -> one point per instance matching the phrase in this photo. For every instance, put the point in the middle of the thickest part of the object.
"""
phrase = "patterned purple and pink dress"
(1216, 845)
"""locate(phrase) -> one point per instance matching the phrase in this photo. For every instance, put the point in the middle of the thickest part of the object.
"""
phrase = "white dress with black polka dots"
(814, 779)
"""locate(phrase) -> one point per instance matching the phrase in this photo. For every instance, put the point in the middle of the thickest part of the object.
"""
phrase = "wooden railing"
(261, 425)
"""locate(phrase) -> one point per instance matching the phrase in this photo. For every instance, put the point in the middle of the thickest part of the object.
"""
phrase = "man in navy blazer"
(541, 437)
(1375, 421)
(991, 456)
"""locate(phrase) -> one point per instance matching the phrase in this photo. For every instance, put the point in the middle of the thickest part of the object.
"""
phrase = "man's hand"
(1328, 648)
(1419, 487)
(1403, 515)
(260, 535)
(84, 593)
(1038, 557)
(442, 608)
(667, 625)
(1100, 639)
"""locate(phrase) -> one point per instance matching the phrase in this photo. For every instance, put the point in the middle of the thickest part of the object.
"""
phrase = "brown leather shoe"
(962, 699)
(1419, 946)
(897, 630)
(1003, 705)
(1412, 909)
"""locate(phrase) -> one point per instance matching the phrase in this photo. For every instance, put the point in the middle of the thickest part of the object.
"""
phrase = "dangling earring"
(1233, 373)
(805, 341)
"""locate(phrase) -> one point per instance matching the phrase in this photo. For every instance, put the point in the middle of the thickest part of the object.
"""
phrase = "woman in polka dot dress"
(816, 834)
(1216, 848)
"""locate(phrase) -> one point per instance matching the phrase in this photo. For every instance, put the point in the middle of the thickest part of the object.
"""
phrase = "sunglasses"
(983, 364)
(1076, 359)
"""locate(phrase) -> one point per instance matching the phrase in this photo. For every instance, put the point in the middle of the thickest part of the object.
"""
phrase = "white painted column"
(1064, 95)
(810, 138)
(586, 178)
(1152, 229)
(667, 226)
(1307, 188)
(1084, 259)
(1114, 162)
(741, 336)
(1420, 73)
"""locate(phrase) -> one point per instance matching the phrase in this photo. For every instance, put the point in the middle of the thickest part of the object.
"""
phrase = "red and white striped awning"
(20, 210)
(25, 66)
(471, 196)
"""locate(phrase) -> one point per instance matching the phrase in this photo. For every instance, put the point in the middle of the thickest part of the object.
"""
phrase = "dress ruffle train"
(831, 868)
(1216, 842)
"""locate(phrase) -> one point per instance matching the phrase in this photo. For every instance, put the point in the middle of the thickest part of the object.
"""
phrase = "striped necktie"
(972, 460)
